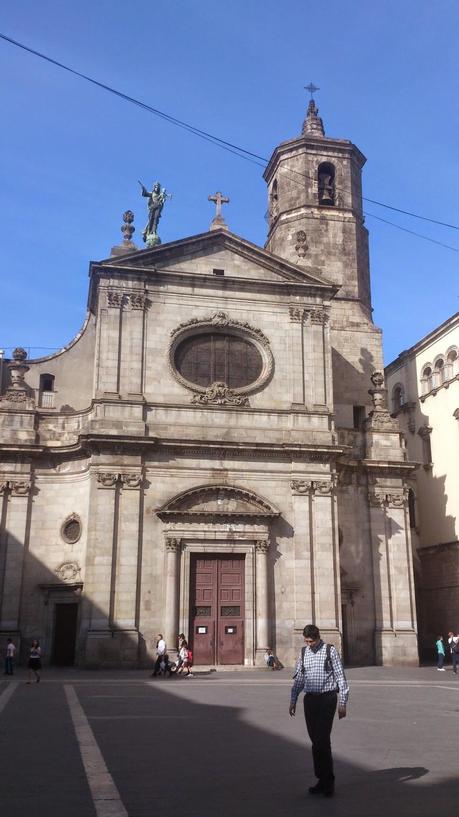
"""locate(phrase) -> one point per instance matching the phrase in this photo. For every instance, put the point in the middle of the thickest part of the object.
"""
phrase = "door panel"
(65, 631)
(217, 610)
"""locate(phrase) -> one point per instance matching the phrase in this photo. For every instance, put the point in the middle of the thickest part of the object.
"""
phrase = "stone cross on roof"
(311, 88)
(218, 222)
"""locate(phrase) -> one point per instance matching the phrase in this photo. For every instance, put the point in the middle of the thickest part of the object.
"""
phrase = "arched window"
(47, 390)
(412, 508)
(398, 397)
(426, 379)
(439, 372)
(273, 201)
(451, 364)
(326, 184)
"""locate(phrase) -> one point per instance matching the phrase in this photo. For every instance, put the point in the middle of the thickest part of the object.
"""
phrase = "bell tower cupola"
(315, 207)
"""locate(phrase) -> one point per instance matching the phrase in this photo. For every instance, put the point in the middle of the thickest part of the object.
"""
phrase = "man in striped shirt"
(319, 673)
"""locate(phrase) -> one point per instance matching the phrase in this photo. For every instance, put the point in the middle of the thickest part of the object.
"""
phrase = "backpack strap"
(303, 650)
(328, 664)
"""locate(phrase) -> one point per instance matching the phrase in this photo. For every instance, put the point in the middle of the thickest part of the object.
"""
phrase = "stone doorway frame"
(204, 520)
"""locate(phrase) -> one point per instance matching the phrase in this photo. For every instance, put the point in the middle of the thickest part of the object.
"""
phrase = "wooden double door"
(217, 609)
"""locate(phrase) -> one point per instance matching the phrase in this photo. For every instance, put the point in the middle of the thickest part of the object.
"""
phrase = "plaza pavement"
(118, 744)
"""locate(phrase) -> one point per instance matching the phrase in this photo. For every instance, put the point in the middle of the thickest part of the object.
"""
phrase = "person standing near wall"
(10, 652)
(453, 641)
(440, 647)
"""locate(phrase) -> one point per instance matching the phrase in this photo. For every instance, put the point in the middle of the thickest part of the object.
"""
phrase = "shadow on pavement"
(181, 758)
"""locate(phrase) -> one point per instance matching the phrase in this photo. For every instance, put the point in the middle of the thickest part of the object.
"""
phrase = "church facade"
(213, 453)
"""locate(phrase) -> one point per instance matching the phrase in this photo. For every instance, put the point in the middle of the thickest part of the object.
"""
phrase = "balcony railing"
(47, 399)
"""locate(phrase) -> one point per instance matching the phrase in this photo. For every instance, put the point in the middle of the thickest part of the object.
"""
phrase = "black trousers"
(319, 711)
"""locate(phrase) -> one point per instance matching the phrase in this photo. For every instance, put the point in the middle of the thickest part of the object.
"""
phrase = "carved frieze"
(301, 486)
(379, 498)
(219, 394)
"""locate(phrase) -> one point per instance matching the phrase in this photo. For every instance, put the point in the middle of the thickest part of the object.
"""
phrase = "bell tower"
(316, 221)
(315, 207)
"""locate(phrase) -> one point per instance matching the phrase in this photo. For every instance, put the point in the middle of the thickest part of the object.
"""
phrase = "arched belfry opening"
(216, 542)
(326, 184)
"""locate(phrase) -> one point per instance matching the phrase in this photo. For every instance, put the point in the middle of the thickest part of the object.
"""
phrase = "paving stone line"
(104, 793)
(7, 693)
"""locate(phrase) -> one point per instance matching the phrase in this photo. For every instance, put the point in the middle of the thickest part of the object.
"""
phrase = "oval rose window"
(213, 357)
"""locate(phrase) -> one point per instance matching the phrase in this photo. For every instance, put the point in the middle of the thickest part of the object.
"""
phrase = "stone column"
(13, 537)
(171, 615)
(132, 344)
(262, 599)
(297, 354)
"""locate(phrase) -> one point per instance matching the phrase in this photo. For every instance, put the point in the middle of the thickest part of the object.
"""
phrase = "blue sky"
(71, 154)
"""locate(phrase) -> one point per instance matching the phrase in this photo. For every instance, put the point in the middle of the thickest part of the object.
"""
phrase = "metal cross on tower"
(219, 199)
(311, 88)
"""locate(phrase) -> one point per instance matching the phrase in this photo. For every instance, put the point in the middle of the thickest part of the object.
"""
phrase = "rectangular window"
(230, 612)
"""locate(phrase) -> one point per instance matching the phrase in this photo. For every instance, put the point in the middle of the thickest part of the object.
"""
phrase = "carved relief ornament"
(118, 298)
(173, 545)
(380, 498)
(296, 313)
(107, 479)
(131, 480)
(318, 316)
(219, 394)
(222, 319)
(68, 571)
(16, 487)
(318, 487)
(262, 546)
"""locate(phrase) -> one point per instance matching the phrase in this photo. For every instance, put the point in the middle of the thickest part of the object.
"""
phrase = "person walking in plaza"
(453, 641)
(440, 647)
(186, 658)
(161, 655)
(10, 652)
(319, 673)
(34, 662)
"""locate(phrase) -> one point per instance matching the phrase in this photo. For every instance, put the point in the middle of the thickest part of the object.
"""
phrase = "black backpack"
(455, 647)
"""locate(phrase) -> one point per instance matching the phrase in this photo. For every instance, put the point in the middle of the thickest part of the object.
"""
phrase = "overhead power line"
(237, 150)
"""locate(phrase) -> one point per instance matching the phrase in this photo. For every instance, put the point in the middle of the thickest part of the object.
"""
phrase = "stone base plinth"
(396, 648)
(111, 648)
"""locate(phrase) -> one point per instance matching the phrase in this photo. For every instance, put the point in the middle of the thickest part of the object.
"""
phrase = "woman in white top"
(34, 662)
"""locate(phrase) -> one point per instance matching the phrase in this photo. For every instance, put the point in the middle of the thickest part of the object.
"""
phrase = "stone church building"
(213, 453)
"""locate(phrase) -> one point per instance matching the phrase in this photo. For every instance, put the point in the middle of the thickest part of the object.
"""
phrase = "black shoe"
(329, 791)
(317, 789)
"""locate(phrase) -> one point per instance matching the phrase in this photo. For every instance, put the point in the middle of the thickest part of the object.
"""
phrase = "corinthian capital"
(172, 545)
(262, 546)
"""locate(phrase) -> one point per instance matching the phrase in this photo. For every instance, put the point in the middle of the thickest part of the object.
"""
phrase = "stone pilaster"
(108, 357)
(318, 320)
(262, 599)
(128, 548)
(14, 497)
(395, 632)
(171, 617)
(304, 573)
(101, 557)
(132, 344)
(297, 354)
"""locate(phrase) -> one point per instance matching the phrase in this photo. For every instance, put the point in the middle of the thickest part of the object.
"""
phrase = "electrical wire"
(237, 150)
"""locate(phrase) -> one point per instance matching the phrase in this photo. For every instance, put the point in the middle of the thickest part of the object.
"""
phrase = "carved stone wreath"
(68, 571)
(219, 393)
